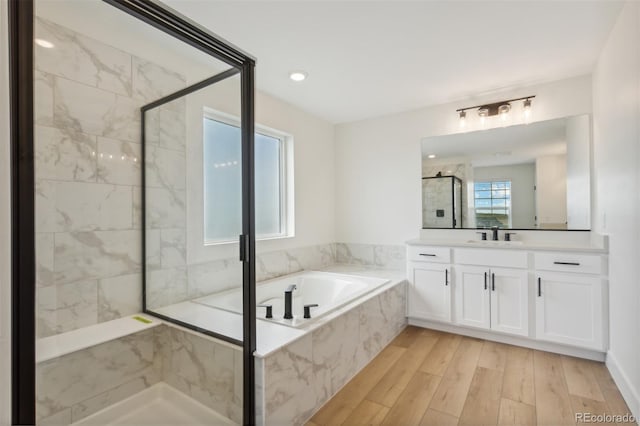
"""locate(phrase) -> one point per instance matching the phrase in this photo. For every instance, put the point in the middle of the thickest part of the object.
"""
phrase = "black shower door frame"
(23, 336)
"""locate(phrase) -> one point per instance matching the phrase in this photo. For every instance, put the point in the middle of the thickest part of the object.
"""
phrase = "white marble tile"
(119, 296)
(137, 208)
(213, 277)
(64, 156)
(110, 397)
(44, 259)
(83, 206)
(173, 247)
(45, 206)
(119, 162)
(66, 307)
(204, 370)
(61, 418)
(152, 81)
(335, 353)
(85, 109)
(165, 209)
(165, 168)
(152, 126)
(356, 254)
(68, 380)
(166, 287)
(171, 125)
(289, 393)
(43, 85)
(91, 255)
(153, 249)
(390, 257)
(83, 59)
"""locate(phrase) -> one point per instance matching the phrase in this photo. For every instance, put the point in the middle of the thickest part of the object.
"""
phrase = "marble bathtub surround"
(297, 379)
(88, 173)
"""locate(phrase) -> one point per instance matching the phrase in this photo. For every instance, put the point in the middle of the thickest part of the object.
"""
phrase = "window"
(223, 180)
(493, 204)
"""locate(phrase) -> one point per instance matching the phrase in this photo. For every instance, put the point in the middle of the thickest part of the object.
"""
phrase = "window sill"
(224, 243)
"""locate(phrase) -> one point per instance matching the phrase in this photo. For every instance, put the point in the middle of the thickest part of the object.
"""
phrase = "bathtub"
(329, 290)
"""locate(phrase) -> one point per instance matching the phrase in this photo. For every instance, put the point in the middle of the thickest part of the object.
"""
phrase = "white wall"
(5, 227)
(616, 85)
(378, 161)
(522, 177)
(551, 191)
(578, 173)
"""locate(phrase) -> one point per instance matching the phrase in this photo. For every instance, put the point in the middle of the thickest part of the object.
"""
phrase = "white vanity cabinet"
(429, 292)
(547, 299)
(570, 299)
(492, 297)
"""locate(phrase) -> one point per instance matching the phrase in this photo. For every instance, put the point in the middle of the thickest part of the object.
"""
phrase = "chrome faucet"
(494, 233)
(288, 301)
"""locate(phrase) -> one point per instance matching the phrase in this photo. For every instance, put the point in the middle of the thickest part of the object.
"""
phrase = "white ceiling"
(370, 58)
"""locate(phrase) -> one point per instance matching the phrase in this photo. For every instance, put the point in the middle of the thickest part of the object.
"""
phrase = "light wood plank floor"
(427, 377)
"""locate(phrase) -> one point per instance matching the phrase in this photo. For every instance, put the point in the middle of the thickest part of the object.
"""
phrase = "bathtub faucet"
(288, 301)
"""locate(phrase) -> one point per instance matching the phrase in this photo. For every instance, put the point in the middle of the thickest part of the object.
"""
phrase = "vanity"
(546, 297)
(547, 287)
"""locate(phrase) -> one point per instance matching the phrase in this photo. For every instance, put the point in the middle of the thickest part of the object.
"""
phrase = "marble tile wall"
(298, 379)
(79, 384)
(87, 155)
(76, 385)
(206, 370)
(371, 255)
(464, 171)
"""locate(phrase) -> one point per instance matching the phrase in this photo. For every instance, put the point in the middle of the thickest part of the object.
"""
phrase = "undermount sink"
(495, 243)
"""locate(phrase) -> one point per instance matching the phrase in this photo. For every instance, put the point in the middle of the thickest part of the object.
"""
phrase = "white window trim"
(287, 213)
(510, 196)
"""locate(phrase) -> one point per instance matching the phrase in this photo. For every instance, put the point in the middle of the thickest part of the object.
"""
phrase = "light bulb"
(503, 110)
(298, 76)
(463, 119)
(526, 108)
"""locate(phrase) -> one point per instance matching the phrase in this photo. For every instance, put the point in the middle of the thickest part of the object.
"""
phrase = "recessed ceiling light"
(44, 43)
(298, 75)
(431, 156)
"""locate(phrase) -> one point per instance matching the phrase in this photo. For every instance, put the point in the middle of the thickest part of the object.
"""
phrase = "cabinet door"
(569, 309)
(509, 301)
(472, 296)
(430, 292)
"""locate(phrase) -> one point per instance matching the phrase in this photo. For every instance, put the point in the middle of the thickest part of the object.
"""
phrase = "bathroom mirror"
(529, 176)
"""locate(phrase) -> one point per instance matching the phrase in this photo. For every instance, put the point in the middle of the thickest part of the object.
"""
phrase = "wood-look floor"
(427, 377)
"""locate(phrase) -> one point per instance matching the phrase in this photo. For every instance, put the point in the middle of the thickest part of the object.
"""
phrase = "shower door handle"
(244, 248)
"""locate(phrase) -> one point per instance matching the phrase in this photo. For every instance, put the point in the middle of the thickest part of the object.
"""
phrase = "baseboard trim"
(626, 387)
(511, 340)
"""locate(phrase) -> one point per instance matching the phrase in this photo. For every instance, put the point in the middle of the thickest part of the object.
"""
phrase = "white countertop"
(515, 245)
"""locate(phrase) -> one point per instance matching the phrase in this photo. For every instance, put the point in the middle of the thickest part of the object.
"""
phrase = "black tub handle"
(307, 309)
(269, 310)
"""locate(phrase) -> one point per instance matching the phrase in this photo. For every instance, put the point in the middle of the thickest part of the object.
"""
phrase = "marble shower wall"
(74, 386)
(87, 161)
(464, 171)
(81, 383)
(296, 380)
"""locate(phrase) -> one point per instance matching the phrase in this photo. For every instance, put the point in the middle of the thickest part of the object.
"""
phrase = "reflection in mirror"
(531, 176)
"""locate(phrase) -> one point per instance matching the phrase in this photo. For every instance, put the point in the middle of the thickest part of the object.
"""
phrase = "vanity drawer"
(569, 262)
(491, 257)
(429, 254)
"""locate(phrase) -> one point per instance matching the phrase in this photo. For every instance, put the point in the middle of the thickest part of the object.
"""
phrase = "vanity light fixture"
(501, 108)
(298, 76)
(526, 109)
(44, 43)
(463, 119)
